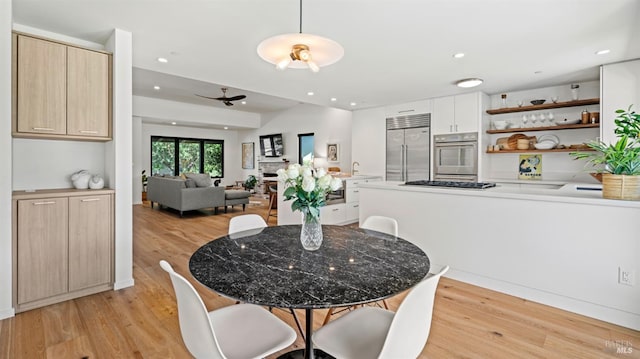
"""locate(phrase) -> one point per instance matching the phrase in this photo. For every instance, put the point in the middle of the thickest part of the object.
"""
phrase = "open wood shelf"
(547, 128)
(542, 151)
(545, 106)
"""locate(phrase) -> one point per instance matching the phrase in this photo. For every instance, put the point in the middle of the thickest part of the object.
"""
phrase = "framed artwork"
(332, 152)
(530, 167)
(248, 156)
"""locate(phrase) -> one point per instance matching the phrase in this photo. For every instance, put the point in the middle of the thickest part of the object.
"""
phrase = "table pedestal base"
(299, 354)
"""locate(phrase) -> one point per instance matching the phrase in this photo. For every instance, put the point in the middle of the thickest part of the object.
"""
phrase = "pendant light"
(299, 51)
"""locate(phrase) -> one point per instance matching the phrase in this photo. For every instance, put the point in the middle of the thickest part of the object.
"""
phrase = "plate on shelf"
(566, 122)
(549, 137)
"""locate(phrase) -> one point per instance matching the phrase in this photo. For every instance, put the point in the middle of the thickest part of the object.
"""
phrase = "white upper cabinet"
(460, 113)
(411, 108)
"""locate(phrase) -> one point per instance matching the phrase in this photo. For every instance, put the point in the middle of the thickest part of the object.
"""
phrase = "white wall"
(232, 148)
(45, 164)
(369, 141)
(6, 305)
(119, 155)
(620, 88)
(329, 125)
(193, 115)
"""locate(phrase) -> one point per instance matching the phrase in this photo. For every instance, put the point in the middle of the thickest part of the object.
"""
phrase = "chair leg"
(328, 316)
(386, 306)
(243, 206)
(295, 317)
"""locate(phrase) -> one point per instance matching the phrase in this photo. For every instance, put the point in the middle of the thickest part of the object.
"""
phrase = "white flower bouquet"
(308, 187)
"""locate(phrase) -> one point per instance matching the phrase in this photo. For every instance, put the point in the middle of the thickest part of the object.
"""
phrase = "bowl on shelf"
(500, 124)
(537, 102)
(544, 145)
(549, 137)
(565, 121)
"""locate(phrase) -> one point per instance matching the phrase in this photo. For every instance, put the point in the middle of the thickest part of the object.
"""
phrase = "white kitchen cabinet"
(352, 196)
(410, 108)
(453, 114)
(333, 214)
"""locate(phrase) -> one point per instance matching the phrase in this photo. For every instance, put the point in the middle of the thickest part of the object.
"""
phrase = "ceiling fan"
(226, 100)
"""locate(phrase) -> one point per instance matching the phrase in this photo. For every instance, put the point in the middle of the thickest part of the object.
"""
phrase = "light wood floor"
(141, 322)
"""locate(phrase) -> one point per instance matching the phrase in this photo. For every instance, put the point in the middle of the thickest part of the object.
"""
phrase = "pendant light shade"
(300, 51)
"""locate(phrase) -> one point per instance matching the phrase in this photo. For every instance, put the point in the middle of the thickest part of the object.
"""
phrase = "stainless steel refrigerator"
(408, 148)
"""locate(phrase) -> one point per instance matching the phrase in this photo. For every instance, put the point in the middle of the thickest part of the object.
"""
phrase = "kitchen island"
(559, 246)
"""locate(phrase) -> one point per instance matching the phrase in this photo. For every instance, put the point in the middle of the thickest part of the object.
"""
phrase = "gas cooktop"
(457, 184)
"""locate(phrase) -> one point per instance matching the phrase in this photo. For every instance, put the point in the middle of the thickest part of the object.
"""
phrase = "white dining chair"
(253, 221)
(245, 222)
(382, 224)
(237, 331)
(371, 332)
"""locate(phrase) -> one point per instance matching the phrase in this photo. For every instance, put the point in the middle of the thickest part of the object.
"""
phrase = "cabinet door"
(88, 93)
(42, 76)
(442, 119)
(467, 112)
(89, 241)
(42, 248)
(411, 108)
(333, 214)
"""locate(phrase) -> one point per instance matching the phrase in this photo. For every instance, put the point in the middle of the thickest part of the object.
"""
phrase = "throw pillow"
(191, 183)
(202, 179)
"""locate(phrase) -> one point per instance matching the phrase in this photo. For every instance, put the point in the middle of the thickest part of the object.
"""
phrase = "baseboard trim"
(609, 315)
(7, 313)
(123, 284)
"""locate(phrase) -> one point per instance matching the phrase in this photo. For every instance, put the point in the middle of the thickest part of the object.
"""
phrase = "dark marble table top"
(269, 267)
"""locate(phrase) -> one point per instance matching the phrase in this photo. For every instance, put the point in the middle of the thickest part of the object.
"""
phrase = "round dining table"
(269, 267)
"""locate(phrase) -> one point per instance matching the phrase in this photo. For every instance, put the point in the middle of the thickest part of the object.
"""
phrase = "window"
(174, 155)
(305, 148)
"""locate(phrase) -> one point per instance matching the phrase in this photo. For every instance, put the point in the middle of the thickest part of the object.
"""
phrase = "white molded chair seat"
(381, 224)
(246, 222)
(370, 332)
(239, 331)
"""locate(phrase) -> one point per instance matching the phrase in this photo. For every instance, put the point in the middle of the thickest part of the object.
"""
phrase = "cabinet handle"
(90, 200)
(43, 203)
(42, 129)
(456, 127)
(450, 128)
(405, 111)
(88, 131)
(356, 191)
(335, 209)
(356, 206)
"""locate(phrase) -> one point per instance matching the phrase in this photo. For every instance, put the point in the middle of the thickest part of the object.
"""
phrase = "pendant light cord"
(301, 16)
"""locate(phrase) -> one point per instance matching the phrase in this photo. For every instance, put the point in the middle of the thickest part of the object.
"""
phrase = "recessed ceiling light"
(603, 52)
(466, 83)
(244, 102)
(353, 104)
(310, 93)
(173, 123)
(459, 55)
(333, 99)
(156, 88)
(163, 60)
(226, 128)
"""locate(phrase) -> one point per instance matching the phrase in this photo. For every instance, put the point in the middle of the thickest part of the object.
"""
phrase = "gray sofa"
(191, 194)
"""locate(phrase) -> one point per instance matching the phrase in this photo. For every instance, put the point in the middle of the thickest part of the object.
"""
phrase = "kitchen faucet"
(353, 167)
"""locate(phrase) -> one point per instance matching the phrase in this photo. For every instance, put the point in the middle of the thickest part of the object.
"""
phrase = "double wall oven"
(456, 157)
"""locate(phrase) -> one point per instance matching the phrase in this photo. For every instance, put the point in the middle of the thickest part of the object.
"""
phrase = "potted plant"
(250, 182)
(618, 162)
(144, 185)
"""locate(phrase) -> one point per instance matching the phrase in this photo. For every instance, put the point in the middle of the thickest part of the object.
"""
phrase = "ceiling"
(395, 50)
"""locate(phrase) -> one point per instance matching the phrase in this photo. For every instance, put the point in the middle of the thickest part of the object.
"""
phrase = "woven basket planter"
(621, 187)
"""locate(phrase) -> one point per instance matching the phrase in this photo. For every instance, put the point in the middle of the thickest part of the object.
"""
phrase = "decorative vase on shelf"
(311, 233)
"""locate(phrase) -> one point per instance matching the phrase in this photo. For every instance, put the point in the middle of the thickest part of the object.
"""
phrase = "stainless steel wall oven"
(456, 157)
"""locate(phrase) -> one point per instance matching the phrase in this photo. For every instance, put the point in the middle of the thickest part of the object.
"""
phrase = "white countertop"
(568, 193)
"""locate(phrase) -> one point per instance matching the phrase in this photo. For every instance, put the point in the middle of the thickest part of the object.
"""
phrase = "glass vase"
(311, 233)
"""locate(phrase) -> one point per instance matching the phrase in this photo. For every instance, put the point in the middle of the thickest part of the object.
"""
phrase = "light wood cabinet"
(63, 245)
(60, 91)
(42, 248)
(87, 93)
(42, 73)
(89, 241)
